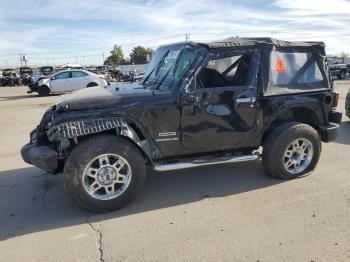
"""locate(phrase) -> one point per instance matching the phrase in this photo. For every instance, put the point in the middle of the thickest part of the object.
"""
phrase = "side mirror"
(53, 78)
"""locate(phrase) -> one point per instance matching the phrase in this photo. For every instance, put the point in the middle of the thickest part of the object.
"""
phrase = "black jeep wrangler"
(198, 104)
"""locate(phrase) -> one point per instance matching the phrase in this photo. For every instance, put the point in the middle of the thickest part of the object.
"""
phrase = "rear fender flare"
(293, 113)
(297, 111)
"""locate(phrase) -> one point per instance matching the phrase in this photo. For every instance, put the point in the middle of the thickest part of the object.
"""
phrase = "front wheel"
(104, 173)
(43, 90)
(292, 150)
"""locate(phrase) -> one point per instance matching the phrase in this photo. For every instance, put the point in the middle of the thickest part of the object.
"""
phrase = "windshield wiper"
(167, 73)
(148, 76)
(156, 67)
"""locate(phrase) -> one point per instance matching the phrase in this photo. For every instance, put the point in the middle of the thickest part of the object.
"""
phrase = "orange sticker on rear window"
(280, 66)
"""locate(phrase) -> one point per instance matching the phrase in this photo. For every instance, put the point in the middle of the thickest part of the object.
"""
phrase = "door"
(61, 82)
(79, 80)
(221, 110)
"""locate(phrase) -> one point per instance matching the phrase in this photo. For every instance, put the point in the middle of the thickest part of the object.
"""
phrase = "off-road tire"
(43, 90)
(91, 84)
(277, 143)
(91, 148)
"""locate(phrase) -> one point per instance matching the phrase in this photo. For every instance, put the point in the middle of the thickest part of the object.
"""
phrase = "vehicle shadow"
(344, 133)
(10, 98)
(32, 202)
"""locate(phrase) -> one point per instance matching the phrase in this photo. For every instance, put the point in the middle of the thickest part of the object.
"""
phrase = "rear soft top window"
(293, 72)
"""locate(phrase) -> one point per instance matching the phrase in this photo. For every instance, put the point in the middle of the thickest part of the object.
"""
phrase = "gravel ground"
(222, 213)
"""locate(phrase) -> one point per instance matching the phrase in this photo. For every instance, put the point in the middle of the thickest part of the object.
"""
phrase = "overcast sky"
(63, 29)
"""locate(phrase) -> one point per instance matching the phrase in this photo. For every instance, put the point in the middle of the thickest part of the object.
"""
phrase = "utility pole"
(103, 58)
(187, 37)
(25, 59)
(20, 58)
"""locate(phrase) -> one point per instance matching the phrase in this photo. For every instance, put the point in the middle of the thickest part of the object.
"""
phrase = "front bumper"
(32, 88)
(41, 156)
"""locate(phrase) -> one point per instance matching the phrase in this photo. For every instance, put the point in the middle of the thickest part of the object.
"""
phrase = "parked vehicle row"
(341, 71)
(338, 69)
(9, 77)
(119, 76)
(29, 76)
(26, 75)
(74, 79)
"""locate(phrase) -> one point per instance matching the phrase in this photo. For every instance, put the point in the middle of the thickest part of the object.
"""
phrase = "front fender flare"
(64, 133)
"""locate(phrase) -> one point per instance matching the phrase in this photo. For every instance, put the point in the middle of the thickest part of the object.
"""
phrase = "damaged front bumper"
(48, 146)
(39, 154)
(43, 157)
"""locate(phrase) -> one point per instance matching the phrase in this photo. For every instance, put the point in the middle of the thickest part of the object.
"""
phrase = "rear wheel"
(292, 150)
(104, 173)
(43, 90)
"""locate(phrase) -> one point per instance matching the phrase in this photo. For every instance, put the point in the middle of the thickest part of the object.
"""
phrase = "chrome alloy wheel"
(107, 176)
(298, 156)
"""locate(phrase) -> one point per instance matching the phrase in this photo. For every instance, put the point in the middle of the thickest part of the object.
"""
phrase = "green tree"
(139, 55)
(343, 56)
(116, 57)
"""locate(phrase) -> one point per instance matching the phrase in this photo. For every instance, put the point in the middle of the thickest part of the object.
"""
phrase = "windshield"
(167, 66)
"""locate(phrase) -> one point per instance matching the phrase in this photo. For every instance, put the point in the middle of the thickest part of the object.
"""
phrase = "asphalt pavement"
(221, 213)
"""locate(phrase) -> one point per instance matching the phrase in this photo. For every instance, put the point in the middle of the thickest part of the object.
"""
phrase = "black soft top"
(249, 42)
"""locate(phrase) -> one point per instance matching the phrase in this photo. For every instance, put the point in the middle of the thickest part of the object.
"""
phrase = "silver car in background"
(68, 81)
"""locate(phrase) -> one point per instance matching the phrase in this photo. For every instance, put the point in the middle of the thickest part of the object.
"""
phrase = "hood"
(113, 96)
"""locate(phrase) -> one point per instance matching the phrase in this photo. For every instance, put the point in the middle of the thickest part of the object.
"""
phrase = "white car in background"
(68, 81)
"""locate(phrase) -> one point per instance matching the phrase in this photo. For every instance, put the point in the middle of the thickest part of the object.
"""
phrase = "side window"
(294, 72)
(225, 71)
(76, 74)
(63, 75)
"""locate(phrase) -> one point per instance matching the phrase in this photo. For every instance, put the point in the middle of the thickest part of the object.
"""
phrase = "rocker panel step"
(206, 162)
